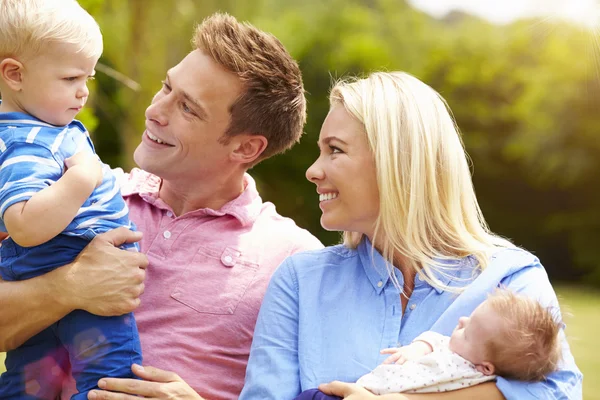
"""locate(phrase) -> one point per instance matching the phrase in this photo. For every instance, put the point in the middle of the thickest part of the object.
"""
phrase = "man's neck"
(214, 193)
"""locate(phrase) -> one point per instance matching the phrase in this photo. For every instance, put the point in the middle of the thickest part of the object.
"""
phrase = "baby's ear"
(486, 368)
(11, 72)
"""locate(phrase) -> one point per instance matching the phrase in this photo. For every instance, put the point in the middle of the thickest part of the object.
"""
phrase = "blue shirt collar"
(376, 268)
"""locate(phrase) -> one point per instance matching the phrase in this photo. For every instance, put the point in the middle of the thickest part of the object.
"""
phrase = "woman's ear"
(486, 368)
(249, 148)
(11, 72)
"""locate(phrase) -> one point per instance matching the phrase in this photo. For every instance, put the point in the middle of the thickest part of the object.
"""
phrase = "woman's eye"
(166, 86)
(185, 108)
(335, 150)
(70, 78)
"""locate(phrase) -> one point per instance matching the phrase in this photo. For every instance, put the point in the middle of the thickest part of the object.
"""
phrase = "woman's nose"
(314, 173)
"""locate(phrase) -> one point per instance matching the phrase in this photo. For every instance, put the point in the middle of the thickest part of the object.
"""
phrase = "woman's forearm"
(487, 391)
(30, 306)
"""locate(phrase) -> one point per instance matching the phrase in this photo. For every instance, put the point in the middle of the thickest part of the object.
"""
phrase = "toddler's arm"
(49, 211)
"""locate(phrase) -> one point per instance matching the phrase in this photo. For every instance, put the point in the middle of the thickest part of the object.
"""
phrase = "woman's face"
(345, 175)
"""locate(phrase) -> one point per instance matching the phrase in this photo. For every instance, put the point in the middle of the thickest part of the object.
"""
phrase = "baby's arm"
(49, 211)
(423, 344)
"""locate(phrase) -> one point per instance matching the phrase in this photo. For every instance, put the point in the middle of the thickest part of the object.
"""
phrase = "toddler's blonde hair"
(27, 26)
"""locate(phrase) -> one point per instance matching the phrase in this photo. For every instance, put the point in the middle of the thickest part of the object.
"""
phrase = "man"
(210, 241)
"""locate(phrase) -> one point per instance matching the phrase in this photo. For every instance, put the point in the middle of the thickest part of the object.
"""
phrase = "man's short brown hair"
(273, 103)
(528, 346)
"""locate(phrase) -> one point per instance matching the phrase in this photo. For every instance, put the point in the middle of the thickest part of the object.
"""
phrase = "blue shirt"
(32, 157)
(327, 314)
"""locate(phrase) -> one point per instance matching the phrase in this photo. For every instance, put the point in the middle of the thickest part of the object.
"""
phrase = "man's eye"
(70, 78)
(166, 86)
(185, 108)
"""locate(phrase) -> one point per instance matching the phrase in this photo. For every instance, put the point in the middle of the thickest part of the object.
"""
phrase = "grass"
(581, 314)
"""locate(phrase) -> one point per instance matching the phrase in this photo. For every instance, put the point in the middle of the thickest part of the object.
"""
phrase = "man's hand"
(90, 166)
(155, 384)
(400, 355)
(104, 279)
(352, 391)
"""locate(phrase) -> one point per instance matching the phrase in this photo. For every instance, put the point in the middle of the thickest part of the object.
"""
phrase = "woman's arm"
(103, 280)
(352, 391)
(566, 382)
(273, 372)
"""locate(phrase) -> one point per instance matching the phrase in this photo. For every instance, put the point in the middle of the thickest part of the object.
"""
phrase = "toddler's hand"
(400, 355)
(89, 163)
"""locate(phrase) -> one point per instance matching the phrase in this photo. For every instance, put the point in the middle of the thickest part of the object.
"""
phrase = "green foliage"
(526, 97)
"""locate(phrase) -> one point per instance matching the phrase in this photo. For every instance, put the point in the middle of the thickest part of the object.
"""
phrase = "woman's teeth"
(327, 196)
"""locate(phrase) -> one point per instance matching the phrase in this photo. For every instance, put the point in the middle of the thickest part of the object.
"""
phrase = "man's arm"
(49, 211)
(103, 280)
(154, 383)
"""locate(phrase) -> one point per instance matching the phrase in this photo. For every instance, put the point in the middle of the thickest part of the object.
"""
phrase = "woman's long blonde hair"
(428, 209)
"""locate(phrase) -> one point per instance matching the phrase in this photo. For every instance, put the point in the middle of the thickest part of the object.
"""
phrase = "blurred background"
(521, 76)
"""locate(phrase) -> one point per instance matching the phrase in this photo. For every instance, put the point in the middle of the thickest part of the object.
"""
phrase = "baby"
(508, 335)
(55, 193)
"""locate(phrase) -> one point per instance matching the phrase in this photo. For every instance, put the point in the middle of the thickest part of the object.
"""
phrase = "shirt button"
(167, 234)
(169, 214)
(379, 284)
(420, 278)
(413, 306)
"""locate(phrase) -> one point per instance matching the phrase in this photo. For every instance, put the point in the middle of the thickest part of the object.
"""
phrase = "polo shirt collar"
(245, 208)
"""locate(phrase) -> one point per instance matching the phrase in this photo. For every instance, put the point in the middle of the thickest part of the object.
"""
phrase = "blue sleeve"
(26, 169)
(273, 372)
(565, 383)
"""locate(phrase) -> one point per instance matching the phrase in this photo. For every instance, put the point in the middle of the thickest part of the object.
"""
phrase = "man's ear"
(248, 148)
(11, 72)
(486, 368)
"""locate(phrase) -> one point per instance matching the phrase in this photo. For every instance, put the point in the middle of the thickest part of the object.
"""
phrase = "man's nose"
(157, 111)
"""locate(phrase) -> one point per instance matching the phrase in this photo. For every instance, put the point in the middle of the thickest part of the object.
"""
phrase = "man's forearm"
(487, 391)
(30, 306)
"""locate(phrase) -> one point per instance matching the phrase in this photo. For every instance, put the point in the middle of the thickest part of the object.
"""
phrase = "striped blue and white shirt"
(32, 157)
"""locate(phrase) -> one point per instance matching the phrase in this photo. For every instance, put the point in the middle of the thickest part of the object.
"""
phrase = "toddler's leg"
(36, 369)
(315, 394)
(99, 347)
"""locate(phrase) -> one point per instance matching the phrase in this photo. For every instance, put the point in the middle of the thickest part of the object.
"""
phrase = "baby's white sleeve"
(436, 341)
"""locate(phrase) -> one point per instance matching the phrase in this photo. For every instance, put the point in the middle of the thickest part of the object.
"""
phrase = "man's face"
(186, 119)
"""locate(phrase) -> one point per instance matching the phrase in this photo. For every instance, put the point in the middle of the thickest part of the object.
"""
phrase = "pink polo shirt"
(208, 272)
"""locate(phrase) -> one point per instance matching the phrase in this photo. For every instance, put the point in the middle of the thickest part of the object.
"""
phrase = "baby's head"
(48, 51)
(511, 336)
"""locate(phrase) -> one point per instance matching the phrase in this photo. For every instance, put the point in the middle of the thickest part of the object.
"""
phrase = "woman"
(417, 254)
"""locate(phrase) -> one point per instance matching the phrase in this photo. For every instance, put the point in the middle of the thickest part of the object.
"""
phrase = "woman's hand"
(154, 384)
(352, 391)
